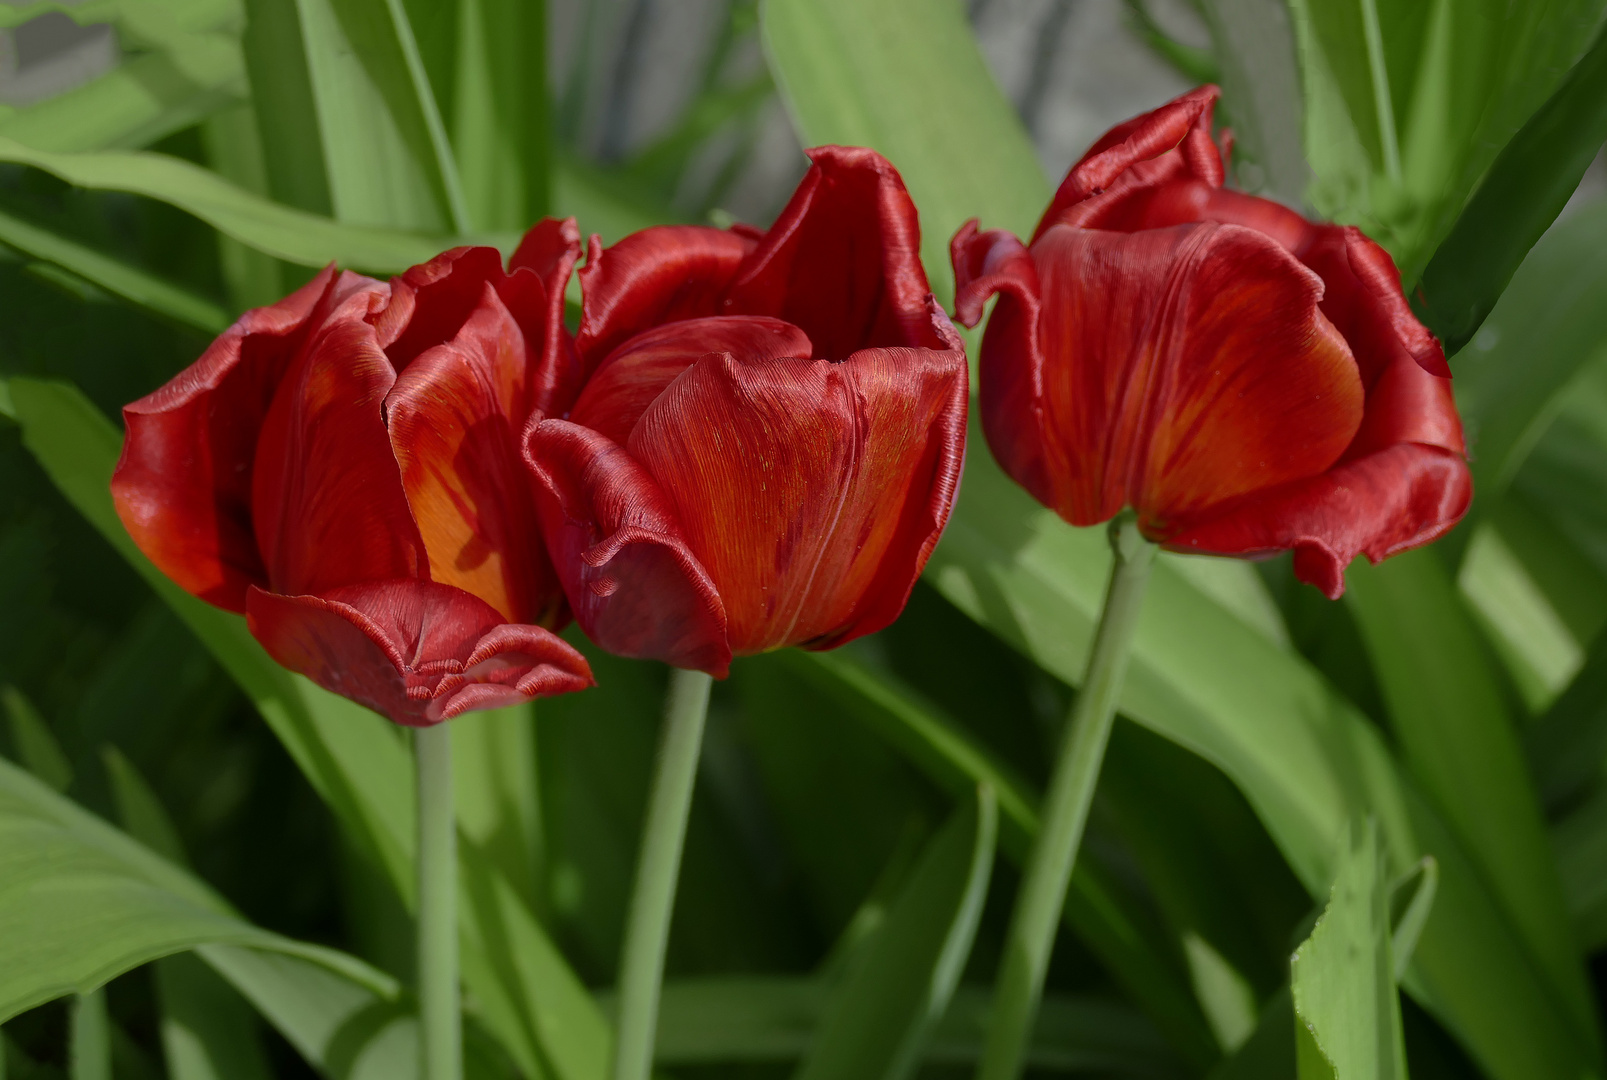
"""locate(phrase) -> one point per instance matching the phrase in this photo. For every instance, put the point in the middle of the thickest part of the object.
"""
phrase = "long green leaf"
(278, 230)
(1446, 712)
(62, 871)
(953, 759)
(1567, 746)
(878, 1022)
(1526, 188)
(1347, 1015)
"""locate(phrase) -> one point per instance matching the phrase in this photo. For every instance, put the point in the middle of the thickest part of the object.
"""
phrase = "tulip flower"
(769, 439)
(1246, 380)
(765, 451)
(343, 468)
(1209, 371)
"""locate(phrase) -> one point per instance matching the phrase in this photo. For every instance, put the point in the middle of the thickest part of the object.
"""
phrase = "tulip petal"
(1110, 184)
(538, 274)
(843, 261)
(183, 483)
(415, 651)
(654, 276)
(1012, 367)
(812, 491)
(454, 417)
(430, 302)
(327, 499)
(633, 375)
(1398, 498)
(1184, 367)
(633, 583)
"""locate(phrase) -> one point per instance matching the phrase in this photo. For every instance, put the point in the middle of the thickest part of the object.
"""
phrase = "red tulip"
(770, 439)
(343, 467)
(1247, 380)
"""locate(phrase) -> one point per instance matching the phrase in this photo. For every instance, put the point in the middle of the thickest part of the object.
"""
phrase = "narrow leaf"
(879, 1020)
(36, 747)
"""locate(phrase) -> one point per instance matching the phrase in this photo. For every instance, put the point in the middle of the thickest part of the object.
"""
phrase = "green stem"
(1065, 811)
(440, 1021)
(647, 926)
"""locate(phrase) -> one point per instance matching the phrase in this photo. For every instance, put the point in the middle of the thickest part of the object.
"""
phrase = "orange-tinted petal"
(414, 651)
(183, 483)
(634, 585)
(654, 276)
(626, 383)
(430, 302)
(1184, 367)
(327, 497)
(843, 260)
(454, 417)
(533, 291)
(812, 491)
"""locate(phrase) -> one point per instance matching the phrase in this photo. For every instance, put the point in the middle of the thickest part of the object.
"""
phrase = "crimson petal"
(415, 651)
(843, 261)
(183, 483)
(634, 585)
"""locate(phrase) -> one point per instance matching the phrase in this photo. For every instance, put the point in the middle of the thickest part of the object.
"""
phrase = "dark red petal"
(454, 418)
(634, 585)
(1182, 368)
(655, 276)
(1109, 186)
(843, 261)
(414, 651)
(1401, 497)
(430, 302)
(534, 292)
(1011, 365)
(811, 490)
(183, 483)
(327, 499)
(625, 384)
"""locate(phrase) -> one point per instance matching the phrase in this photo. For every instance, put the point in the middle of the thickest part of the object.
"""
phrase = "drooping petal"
(454, 418)
(1401, 497)
(654, 276)
(1012, 359)
(430, 302)
(634, 585)
(533, 291)
(625, 384)
(1184, 367)
(327, 499)
(183, 483)
(1109, 188)
(842, 262)
(415, 651)
(810, 490)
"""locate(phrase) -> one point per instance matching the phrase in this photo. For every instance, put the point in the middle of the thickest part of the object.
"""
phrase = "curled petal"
(183, 483)
(454, 417)
(1012, 358)
(812, 491)
(538, 274)
(654, 276)
(1399, 498)
(1184, 367)
(625, 384)
(415, 651)
(327, 500)
(843, 261)
(430, 302)
(633, 583)
(1119, 171)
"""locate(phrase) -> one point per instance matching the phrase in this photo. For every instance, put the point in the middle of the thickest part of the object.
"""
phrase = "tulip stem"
(1031, 934)
(440, 1021)
(658, 865)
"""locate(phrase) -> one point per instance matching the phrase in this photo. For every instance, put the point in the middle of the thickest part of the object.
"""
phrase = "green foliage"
(827, 923)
